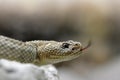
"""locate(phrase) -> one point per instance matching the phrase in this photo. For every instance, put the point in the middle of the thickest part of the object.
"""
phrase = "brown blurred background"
(77, 20)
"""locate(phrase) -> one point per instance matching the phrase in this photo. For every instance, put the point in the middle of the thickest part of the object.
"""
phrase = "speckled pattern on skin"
(39, 52)
(16, 50)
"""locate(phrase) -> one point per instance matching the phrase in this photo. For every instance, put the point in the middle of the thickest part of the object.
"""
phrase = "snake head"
(53, 52)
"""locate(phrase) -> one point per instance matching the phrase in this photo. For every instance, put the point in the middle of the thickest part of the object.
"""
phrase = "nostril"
(76, 44)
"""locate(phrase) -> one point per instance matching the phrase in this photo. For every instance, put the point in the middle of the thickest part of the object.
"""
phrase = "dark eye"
(65, 45)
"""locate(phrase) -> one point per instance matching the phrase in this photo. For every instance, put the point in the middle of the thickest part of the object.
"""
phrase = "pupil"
(65, 45)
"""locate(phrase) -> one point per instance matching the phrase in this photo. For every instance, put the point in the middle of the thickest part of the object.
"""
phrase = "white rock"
(11, 70)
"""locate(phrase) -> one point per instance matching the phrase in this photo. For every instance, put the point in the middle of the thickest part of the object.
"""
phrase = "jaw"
(57, 59)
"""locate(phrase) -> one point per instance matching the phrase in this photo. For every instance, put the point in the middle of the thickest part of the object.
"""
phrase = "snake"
(40, 52)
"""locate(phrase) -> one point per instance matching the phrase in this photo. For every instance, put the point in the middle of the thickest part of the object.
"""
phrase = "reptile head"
(54, 52)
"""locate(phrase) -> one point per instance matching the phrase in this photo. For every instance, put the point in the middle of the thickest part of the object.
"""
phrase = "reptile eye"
(65, 45)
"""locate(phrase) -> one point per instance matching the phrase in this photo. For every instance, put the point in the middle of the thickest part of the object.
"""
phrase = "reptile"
(39, 52)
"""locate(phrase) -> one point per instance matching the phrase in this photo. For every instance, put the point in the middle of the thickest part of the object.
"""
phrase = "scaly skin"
(39, 52)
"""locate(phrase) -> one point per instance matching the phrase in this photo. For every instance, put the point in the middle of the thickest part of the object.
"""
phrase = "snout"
(77, 46)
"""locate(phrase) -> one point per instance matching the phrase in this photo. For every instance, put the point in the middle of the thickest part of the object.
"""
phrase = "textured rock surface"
(10, 70)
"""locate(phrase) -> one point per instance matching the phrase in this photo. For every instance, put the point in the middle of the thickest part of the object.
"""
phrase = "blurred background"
(77, 20)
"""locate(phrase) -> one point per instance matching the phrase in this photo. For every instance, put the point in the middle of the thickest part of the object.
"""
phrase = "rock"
(11, 70)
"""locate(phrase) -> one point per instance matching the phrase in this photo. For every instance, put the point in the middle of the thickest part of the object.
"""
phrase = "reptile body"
(39, 52)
